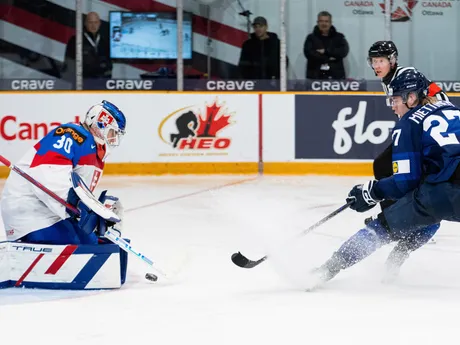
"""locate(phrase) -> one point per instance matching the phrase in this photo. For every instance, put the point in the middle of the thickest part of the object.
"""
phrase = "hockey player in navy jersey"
(426, 175)
(383, 59)
(29, 214)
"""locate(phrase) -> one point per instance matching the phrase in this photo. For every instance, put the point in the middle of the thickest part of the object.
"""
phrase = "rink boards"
(177, 133)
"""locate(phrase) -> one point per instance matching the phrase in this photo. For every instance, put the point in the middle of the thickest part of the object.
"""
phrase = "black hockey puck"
(151, 277)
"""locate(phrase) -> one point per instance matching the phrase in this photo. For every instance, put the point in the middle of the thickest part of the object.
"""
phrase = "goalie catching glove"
(363, 197)
(88, 220)
(116, 206)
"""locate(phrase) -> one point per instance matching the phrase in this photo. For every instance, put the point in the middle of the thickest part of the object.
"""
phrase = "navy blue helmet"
(406, 82)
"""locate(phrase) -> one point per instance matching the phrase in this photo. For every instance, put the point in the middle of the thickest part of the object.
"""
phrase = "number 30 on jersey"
(65, 143)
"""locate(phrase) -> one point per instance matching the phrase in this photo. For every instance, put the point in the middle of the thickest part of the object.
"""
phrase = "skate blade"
(314, 282)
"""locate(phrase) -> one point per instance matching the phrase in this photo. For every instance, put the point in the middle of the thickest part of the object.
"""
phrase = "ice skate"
(319, 276)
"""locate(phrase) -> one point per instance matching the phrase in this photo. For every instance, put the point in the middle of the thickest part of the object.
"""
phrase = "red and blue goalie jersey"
(25, 208)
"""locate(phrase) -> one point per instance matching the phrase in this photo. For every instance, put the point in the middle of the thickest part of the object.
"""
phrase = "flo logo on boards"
(343, 127)
(197, 130)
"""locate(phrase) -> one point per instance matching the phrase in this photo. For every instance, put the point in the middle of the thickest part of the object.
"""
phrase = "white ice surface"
(214, 302)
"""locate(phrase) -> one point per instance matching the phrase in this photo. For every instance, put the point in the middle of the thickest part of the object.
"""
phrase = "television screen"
(141, 35)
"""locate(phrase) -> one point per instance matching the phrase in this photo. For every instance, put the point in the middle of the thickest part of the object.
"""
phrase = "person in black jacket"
(96, 55)
(260, 55)
(325, 50)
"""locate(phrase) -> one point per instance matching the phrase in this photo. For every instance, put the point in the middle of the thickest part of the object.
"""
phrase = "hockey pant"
(383, 167)
(375, 235)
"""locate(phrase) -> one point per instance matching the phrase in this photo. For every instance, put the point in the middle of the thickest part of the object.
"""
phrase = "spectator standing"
(325, 49)
(260, 54)
(96, 54)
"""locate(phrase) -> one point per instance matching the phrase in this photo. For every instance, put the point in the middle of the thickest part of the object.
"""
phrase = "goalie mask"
(106, 123)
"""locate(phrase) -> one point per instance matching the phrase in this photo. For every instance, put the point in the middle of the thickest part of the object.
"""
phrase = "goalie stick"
(242, 261)
(84, 193)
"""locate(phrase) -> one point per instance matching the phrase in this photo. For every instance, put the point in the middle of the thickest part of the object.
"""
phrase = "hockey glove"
(363, 197)
(115, 204)
(88, 221)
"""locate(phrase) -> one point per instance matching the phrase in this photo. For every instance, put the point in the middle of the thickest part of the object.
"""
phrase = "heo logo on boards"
(403, 9)
(196, 131)
(11, 128)
(376, 132)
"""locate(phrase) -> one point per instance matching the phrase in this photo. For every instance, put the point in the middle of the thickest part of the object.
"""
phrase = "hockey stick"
(38, 184)
(242, 261)
(111, 216)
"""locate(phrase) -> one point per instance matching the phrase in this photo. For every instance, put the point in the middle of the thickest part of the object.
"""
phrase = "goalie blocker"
(67, 267)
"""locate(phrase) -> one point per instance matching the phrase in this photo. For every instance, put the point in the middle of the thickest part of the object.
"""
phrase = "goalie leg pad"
(123, 257)
(4, 269)
(66, 267)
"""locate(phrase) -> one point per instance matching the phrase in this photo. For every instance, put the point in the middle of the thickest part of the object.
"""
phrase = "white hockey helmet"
(106, 123)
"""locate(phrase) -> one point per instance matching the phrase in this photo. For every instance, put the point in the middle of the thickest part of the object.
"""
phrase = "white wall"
(151, 119)
(429, 42)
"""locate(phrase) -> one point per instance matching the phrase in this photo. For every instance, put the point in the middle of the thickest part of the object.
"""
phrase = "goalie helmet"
(106, 123)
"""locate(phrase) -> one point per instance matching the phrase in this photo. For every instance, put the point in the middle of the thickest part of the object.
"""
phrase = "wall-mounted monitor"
(148, 35)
